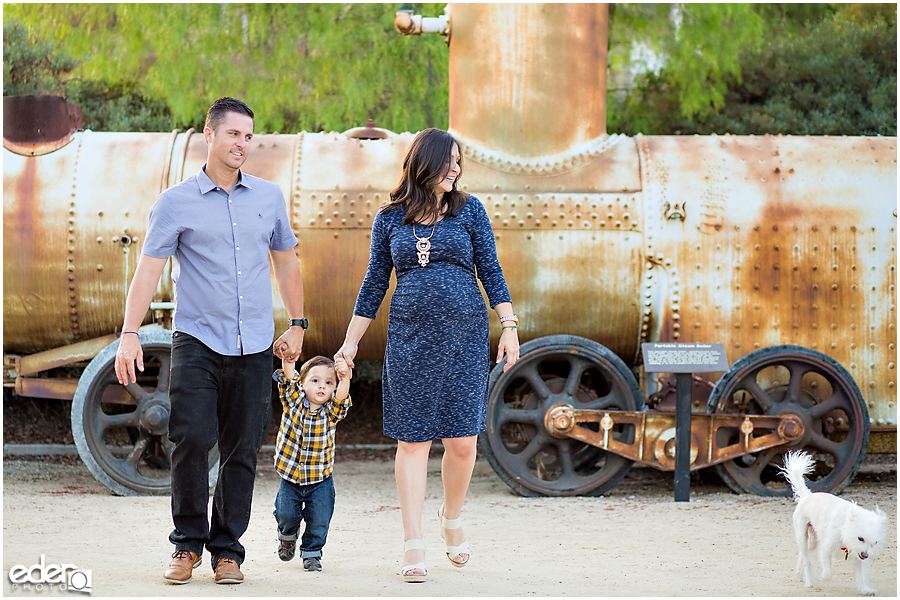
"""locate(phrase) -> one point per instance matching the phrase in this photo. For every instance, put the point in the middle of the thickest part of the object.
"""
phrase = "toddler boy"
(314, 400)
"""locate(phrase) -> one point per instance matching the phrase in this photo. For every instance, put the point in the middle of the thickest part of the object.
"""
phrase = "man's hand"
(143, 286)
(127, 355)
(288, 346)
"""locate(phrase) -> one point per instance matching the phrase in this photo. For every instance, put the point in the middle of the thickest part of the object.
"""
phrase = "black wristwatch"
(299, 323)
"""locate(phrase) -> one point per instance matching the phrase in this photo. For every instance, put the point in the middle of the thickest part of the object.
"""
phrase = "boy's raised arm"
(344, 374)
(288, 368)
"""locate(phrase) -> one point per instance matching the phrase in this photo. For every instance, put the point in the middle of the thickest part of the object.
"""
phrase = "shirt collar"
(207, 185)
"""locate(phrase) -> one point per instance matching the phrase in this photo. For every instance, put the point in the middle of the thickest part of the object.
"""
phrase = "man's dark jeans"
(312, 503)
(224, 399)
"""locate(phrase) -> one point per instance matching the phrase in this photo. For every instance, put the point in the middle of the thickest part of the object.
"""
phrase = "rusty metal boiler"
(752, 241)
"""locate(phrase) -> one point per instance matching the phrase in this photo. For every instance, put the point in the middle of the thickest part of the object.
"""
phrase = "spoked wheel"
(555, 370)
(121, 432)
(793, 380)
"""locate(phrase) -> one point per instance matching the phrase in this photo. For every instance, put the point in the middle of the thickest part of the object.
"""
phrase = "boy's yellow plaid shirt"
(304, 450)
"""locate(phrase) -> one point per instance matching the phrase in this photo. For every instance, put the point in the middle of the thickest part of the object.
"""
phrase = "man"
(221, 226)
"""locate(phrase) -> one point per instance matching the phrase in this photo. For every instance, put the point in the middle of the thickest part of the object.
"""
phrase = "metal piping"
(184, 149)
(407, 23)
(529, 79)
(62, 356)
(164, 183)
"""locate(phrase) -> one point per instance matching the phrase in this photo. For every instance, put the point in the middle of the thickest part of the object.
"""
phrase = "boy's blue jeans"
(313, 504)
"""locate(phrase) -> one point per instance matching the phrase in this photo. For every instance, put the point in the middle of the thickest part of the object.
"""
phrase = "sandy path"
(635, 541)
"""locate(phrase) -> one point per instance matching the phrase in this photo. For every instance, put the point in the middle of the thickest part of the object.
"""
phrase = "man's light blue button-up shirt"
(220, 242)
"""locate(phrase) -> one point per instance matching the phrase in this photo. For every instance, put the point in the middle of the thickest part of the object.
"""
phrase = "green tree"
(834, 76)
(300, 66)
(31, 65)
(696, 44)
(118, 107)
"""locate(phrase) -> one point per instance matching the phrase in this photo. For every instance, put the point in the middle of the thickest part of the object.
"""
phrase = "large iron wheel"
(121, 432)
(793, 380)
(554, 370)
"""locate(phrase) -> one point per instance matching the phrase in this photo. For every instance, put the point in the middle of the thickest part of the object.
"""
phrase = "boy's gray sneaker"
(312, 564)
(286, 550)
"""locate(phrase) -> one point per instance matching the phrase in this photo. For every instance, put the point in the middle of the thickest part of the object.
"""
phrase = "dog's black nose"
(864, 555)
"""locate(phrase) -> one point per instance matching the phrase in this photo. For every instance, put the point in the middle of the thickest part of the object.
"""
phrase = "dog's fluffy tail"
(796, 465)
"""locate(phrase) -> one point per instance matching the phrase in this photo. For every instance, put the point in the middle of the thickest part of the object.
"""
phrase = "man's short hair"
(216, 113)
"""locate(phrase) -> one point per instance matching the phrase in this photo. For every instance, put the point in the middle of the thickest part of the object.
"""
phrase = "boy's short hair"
(315, 361)
(216, 113)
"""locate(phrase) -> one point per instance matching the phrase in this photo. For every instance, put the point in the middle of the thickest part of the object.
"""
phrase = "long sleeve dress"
(436, 362)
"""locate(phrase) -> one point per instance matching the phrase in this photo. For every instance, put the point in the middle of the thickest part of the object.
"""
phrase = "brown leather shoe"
(182, 565)
(228, 571)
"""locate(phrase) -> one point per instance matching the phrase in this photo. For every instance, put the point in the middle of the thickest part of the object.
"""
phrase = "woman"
(436, 363)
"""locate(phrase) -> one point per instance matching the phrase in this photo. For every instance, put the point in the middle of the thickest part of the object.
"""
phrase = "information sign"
(684, 358)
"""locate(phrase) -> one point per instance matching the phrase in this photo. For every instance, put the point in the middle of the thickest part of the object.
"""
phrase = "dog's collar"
(846, 553)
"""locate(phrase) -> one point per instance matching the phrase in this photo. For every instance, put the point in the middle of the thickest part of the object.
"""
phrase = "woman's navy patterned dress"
(437, 361)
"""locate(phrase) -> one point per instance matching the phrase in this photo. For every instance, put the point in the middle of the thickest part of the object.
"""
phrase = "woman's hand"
(355, 331)
(508, 346)
(347, 353)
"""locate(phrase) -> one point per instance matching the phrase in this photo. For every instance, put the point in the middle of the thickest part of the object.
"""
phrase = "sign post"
(684, 360)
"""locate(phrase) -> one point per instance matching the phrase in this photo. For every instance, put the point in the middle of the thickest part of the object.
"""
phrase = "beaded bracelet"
(134, 332)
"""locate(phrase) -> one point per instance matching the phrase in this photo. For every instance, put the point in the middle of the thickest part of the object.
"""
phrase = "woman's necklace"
(423, 245)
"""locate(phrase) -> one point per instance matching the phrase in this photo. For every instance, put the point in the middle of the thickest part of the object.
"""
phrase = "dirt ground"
(634, 541)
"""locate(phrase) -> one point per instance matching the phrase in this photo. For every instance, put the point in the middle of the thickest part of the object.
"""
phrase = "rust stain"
(31, 302)
(512, 67)
(27, 189)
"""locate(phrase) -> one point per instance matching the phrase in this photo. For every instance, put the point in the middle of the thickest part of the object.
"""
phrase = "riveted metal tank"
(751, 241)
(762, 240)
(73, 224)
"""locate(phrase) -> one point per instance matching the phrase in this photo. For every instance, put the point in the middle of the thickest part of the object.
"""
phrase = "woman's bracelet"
(509, 327)
(134, 332)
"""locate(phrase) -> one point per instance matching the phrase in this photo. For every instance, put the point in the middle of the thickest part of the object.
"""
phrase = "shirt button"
(238, 247)
(241, 297)
(234, 224)
(239, 272)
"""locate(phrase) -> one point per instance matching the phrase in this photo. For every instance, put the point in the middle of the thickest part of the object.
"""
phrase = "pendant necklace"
(423, 245)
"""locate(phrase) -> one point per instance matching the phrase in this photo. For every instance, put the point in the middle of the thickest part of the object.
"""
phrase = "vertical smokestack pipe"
(528, 80)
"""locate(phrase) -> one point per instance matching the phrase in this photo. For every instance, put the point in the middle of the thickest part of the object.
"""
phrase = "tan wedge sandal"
(407, 570)
(453, 551)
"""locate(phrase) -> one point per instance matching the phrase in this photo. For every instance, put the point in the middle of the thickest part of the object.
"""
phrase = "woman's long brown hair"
(427, 162)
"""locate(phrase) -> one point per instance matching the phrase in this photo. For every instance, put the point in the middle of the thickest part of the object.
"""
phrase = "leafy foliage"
(836, 76)
(299, 66)
(31, 65)
(673, 68)
(698, 44)
(118, 107)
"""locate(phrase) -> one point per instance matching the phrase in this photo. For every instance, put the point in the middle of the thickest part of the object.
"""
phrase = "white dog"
(833, 525)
